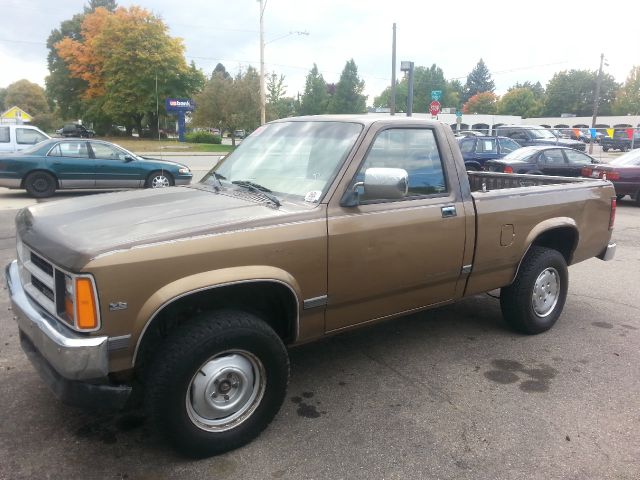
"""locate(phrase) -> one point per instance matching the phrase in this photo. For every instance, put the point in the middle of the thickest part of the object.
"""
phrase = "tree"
(277, 105)
(64, 91)
(348, 97)
(536, 89)
(120, 56)
(29, 96)
(221, 70)
(3, 94)
(627, 100)
(478, 81)
(229, 103)
(573, 92)
(481, 103)
(519, 101)
(315, 98)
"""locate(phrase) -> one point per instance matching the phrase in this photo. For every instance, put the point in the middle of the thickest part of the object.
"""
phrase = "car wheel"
(159, 179)
(40, 184)
(605, 149)
(620, 197)
(534, 301)
(217, 382)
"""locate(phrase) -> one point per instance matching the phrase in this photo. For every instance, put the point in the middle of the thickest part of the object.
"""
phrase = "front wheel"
(534, 301)
(159, 179)
(218, 382)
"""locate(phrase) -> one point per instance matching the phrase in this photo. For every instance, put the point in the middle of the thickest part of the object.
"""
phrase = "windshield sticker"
(313, 196)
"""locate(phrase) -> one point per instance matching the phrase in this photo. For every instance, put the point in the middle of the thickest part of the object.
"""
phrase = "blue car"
(58, 164)
(477, 150)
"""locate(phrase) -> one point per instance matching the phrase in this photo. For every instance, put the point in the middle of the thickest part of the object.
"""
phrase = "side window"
(487, 146)
(107, 152)
(27, 136)
(466, 146)
(4, 135)
(552, 157)
(577, 158)
(414, 150)
(55, 151)
(519, 136)
(507, 145)
(73, 149)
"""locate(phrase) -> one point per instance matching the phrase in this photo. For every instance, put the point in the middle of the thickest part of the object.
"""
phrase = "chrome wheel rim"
(225, 390)
(160, 181)
(546, 291)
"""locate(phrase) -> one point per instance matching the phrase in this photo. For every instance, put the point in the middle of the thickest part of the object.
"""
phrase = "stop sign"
(434, 108)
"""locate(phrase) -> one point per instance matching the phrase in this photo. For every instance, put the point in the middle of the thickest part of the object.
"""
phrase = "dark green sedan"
(60, 164)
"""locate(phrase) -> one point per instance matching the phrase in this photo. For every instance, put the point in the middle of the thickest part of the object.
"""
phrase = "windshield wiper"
(257, 188)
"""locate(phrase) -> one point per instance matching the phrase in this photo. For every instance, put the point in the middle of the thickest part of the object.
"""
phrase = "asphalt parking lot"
(449, 393)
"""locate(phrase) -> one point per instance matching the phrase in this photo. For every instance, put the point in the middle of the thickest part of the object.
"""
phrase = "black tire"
(516, 300)
(620, 197)
(153, 179)
(605, 149)
(188, 352)
(40, 184)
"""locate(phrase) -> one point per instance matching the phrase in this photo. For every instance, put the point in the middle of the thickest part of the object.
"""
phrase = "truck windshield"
(297, 159)
(542, 133)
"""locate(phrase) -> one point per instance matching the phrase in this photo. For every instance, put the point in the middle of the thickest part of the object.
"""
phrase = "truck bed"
(488, 181)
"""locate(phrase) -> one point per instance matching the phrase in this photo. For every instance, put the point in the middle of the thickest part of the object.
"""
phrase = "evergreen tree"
(315, 98)
(348, 97)
(478, 81)
(221, 70)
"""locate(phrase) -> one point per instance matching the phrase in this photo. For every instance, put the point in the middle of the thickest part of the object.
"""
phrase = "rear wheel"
(218, 382)
(605, 149)
(534, 301)
(159, 179)
(40, 184)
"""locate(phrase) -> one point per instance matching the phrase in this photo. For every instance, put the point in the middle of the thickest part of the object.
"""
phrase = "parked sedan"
(539, 160)
(58, 164)
(477, 150)
(624, 173)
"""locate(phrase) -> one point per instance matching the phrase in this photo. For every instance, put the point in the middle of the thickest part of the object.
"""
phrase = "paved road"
(450, 393)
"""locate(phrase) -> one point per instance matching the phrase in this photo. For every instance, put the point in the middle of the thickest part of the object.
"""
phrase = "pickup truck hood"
(72, 232)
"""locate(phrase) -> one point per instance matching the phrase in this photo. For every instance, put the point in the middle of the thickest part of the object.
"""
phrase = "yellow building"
(15, 115)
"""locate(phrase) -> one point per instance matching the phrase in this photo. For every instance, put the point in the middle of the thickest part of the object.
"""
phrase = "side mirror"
(128, 159)
(379, 183)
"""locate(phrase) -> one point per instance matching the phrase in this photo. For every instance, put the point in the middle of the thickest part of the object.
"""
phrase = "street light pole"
(263, 113)
(596, 101)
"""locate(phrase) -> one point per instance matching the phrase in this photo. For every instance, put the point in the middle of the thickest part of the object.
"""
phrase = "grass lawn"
(148, 145)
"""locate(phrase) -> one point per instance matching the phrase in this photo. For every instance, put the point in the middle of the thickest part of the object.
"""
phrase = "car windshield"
(542, 133)
(288, 158)
(629, 158)
(520, 154)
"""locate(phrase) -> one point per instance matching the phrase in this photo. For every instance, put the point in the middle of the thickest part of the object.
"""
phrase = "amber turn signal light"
(86, 314)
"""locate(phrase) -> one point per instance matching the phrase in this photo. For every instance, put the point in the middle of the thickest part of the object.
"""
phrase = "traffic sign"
(434, 108)
(436, 95)
(459, 113)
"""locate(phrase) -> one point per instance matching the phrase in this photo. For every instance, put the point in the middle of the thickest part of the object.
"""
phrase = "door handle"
(449, 211)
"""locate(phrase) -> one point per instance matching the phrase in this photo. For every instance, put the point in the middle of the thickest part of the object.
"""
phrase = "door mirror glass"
(128, 159)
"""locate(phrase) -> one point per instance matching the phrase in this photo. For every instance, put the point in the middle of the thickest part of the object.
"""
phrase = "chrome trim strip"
(118, 343)
(314, 302)
(466, 269)
(40, 298)
(202, 289)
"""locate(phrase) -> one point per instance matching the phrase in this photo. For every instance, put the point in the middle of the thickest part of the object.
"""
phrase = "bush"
(203, 137)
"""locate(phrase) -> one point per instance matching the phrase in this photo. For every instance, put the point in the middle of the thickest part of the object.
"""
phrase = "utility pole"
(407, 66)
(263, 113)
(596, 100)
(392, 103)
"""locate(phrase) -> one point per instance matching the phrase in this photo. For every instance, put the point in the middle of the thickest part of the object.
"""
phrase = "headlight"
(80, 306)
(184, 170)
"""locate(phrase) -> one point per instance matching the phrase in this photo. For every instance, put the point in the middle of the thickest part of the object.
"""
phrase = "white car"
(14, 138)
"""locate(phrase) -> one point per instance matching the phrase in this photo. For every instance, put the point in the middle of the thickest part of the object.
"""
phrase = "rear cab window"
(5, 135)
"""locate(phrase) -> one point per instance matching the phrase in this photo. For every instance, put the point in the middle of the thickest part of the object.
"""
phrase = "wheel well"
(24, 178)
(273, 302)
(562, 239)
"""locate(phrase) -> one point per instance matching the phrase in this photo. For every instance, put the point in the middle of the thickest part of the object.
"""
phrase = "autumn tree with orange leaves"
(120, 55)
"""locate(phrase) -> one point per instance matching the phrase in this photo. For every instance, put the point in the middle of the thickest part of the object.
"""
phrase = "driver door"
(388, 256)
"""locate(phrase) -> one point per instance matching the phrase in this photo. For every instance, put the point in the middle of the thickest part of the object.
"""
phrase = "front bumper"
(608, 253)
(73, 365)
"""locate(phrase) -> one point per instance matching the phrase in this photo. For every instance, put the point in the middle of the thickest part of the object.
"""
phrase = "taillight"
(508, 169)
(612, 217)
(611, 175)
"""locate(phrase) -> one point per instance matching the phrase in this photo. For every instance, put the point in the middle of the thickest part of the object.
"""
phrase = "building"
(15, 115)
(621, 121)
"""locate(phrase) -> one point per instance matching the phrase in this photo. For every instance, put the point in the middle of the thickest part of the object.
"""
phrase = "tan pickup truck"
(191, 295)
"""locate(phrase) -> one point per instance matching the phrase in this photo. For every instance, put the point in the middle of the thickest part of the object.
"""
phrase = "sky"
(518, 41)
